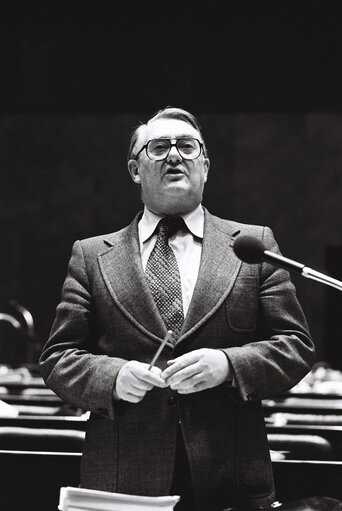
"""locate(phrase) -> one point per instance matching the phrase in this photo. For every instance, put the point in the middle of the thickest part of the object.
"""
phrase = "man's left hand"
(197, 370)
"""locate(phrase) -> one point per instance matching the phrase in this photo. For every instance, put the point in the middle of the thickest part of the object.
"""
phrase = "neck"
(172, 213)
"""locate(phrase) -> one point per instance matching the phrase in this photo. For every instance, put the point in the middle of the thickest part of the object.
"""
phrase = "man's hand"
(197, 370)
(134, 380)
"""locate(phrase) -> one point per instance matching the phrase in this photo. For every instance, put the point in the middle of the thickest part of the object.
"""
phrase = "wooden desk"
(40, 421)
(331, 433)
(303, 405)
(33, 400)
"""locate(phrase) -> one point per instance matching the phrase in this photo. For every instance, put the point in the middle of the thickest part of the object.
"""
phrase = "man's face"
(174, 185)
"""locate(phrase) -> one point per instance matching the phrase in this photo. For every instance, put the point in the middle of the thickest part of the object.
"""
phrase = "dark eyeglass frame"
(175, 144)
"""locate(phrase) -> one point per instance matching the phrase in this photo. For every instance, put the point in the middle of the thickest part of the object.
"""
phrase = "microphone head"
(249, 249)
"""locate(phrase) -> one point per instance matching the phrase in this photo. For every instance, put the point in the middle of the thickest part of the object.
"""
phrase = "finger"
(129, 393)
(140, 372)
(187, 358)
(153, 379)
(130, 384)
(183, 374)
(140, 385)
(157, 373)
(133, 398)
(192, 389)
(179, 363)
(190, 382)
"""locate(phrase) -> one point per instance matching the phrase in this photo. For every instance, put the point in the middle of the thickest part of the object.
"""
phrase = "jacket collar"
(149, 221)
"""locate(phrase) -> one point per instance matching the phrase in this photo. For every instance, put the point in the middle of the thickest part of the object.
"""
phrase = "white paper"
(81, 499)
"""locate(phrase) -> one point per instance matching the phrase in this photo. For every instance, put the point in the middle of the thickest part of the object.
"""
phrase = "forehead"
(167, 128)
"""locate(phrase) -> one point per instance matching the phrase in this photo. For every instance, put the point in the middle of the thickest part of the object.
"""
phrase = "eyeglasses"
(159, 148)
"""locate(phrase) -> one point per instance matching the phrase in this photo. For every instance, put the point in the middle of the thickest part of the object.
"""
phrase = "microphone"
(251, 250)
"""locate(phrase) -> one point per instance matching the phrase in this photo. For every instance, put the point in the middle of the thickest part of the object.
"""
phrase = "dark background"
(264, 80)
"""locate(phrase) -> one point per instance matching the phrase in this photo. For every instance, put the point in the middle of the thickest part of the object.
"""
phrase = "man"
(192, 424)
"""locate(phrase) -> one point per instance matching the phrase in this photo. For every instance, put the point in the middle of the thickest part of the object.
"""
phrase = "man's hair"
(166, 113)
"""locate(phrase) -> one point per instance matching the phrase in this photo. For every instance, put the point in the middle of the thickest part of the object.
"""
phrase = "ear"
(206, 165)
(133, 169)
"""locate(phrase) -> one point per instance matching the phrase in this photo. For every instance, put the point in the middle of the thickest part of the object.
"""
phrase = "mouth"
(175, 171)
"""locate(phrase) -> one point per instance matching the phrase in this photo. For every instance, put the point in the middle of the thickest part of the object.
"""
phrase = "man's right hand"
(134, 380)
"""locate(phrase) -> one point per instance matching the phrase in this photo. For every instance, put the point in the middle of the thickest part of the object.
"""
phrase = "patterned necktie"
(163, 276)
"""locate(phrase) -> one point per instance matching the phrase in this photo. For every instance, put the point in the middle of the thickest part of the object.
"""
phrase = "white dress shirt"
(186, 245)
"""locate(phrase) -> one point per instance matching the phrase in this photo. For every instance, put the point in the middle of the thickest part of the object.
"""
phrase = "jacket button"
(103, 411)
(251, 396)
(172, 401)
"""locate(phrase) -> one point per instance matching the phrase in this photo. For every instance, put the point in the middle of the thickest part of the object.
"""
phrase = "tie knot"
(169, 225)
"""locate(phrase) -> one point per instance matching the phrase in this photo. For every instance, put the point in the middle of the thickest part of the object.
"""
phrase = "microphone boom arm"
(320, 277)
(299, 268)
(283, 262)
(251, 250)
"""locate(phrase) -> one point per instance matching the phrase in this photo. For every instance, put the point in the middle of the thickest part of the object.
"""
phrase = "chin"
(173, 201)
(179, 207)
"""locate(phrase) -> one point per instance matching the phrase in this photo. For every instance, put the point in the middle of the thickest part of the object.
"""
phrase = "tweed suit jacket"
(107, 316)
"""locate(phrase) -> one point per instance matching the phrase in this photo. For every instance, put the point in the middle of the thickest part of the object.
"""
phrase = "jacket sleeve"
(284, 352)
(69, 363)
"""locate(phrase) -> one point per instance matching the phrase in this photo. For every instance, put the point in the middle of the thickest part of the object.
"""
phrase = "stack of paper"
(7, 410)
(80, 499)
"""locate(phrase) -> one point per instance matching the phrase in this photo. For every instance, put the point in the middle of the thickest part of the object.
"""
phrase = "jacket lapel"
(124, 276)
(218, 271)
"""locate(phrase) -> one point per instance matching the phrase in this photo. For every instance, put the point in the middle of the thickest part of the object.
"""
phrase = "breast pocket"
(242, 304)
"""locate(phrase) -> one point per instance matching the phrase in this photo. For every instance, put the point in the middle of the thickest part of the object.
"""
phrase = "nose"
(174, 155)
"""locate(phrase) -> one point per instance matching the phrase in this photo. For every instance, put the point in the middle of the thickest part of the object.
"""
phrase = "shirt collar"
(193, 220)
